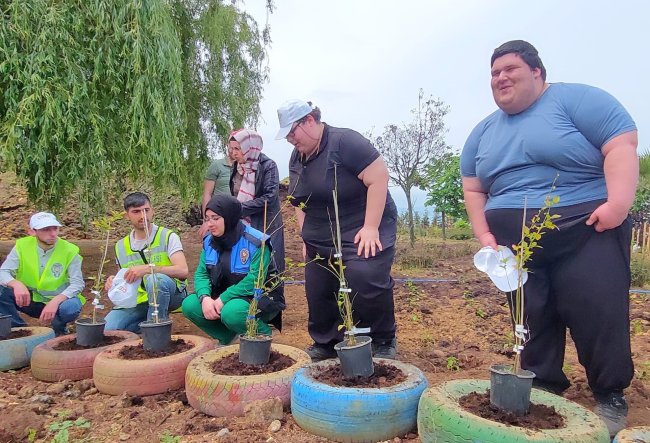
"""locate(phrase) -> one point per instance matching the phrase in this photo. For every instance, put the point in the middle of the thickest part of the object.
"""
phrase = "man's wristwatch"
(201, 297)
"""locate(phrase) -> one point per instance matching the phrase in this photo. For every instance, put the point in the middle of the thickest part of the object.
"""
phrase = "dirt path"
(450, 330)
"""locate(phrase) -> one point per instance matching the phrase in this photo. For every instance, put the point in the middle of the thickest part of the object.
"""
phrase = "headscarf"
(251, 147)
(229, 208)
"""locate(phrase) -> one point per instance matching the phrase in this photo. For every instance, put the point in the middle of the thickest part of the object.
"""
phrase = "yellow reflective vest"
(127, 257)
(54, 278)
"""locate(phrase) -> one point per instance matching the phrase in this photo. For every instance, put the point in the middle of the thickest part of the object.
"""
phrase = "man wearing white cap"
(41, 277)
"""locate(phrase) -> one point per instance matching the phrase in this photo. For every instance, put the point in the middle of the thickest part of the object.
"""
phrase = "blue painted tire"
(17, 352)
(356, 414)
(441, 418)
(633, 435)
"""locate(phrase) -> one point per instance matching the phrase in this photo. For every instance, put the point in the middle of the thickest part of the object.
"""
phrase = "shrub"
(640, 270)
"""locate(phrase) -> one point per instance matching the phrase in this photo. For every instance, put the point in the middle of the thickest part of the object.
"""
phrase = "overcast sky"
(363, 61)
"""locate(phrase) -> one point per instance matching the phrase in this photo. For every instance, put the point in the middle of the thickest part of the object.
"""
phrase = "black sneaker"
(319, 352)
(612, 409)
(547, 387)
(385, 349)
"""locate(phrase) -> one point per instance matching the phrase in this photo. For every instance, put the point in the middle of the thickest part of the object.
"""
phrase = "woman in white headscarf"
(254, 180)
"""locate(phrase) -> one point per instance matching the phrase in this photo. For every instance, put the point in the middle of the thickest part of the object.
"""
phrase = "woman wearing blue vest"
(227, 275)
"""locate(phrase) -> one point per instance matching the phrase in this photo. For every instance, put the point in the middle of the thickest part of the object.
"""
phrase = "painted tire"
(356, 414)
(226, 395)
(17, 352)
(638, 434)
(114, 376)
(48, 364)
(441, 418)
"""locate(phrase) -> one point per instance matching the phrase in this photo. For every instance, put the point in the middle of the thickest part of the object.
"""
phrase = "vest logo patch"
(243, 255)
(57, 269)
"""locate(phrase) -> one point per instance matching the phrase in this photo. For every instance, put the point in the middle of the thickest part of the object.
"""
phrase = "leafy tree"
(426, 223)
(641, 207)
(408, 147)
(94, 94)
(444, 188)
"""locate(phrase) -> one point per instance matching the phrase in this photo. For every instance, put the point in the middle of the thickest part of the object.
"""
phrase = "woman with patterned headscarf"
(255, 180)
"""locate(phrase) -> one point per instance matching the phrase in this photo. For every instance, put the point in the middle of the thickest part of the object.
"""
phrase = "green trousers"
(232, 322)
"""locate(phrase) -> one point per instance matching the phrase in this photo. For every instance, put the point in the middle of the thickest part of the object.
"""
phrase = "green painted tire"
(441, 418)
(639, 434)
(17, 352)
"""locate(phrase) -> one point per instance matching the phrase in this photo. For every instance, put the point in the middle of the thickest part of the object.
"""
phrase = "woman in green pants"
(227, 275)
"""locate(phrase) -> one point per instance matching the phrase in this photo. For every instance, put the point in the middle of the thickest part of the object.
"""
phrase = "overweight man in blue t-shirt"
(580, 140)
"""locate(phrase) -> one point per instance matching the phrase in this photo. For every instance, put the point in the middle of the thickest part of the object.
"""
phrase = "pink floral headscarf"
(251, 146)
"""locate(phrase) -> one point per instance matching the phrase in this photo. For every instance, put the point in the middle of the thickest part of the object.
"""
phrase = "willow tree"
(100, 91)
(224, 69)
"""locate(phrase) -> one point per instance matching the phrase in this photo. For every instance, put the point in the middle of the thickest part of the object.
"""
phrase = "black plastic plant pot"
(5, 325)
(156, 336)
(509, 391)
(255, 350)
(89, 333)
(356, 359)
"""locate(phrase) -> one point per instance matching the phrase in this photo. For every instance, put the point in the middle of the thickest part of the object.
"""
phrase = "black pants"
(579, 280)
(372, 294)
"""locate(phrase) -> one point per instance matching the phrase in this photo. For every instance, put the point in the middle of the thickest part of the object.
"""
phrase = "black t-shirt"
(312, 182)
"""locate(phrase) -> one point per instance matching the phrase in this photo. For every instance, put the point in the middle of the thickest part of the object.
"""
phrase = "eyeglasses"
(293, 129)
(214, 218)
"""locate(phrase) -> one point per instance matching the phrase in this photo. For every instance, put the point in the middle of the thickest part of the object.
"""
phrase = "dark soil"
(384, 376)
(230, 365)
(454, 327)
(538, 417)
(71, 345)
(17, 334)
(137, 352)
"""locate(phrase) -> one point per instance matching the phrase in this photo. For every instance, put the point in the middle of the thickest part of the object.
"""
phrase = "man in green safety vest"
(41, 277)
(148, 248)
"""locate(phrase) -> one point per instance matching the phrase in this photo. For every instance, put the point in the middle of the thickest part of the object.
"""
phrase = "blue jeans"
(68, 311)
(169, 298)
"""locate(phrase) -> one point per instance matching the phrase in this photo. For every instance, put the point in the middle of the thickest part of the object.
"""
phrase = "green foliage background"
(95, 94)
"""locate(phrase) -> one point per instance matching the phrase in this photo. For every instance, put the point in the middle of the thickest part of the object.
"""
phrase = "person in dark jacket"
(253, 181)
(228, 274)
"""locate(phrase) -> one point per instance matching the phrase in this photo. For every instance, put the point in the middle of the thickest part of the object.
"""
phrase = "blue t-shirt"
(561, 134)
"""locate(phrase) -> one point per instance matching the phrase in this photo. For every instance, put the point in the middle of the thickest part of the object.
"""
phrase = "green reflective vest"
(54, 278)
(127, 257)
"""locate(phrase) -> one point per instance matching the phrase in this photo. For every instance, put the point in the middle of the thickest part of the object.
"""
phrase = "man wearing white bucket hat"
(581, 140)
(41, 277)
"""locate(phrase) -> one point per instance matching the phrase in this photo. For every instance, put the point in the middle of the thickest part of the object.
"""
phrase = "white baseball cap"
(289, 113)
(42, 220)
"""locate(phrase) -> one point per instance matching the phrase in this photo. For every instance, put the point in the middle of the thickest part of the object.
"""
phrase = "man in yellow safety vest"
(148, 247)
(41, 277)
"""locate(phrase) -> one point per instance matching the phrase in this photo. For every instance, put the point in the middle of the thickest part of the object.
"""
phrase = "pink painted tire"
(226, 395)
(113, 375)
(48, 364)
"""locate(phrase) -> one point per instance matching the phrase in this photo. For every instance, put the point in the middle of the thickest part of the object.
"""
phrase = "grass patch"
(640, 269)
(429, 251)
